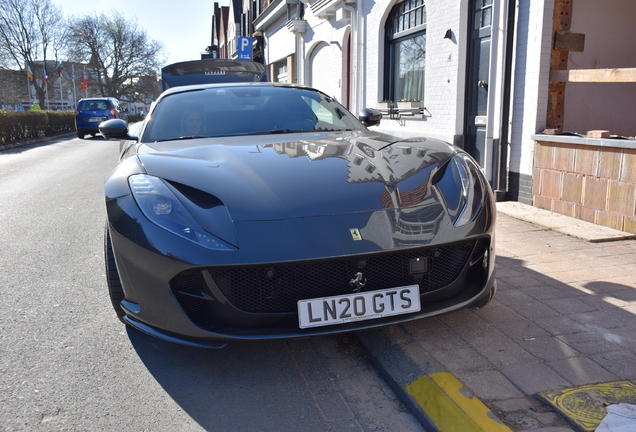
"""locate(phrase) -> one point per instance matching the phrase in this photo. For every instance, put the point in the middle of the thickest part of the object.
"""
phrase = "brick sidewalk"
(564, 316)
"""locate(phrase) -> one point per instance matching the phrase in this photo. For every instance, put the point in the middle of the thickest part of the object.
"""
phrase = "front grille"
(276, 288)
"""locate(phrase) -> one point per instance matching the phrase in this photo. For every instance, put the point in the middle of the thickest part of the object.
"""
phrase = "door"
(477, 79)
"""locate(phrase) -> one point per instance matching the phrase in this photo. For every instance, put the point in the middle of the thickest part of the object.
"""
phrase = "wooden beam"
(594, 75)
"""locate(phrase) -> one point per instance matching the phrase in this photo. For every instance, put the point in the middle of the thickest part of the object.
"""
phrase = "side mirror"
(370, 116)
(115, 129)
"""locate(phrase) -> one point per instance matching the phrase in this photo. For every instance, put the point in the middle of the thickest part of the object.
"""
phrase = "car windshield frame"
(239, 110)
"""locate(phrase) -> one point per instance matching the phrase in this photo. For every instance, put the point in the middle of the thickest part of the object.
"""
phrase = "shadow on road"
(244, 386)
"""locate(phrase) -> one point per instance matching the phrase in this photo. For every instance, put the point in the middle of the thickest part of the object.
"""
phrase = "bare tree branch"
(119, 53)
(27, 29)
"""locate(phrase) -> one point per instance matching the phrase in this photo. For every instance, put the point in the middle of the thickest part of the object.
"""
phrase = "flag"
(85, 79)
(29, 72)
(46, 76)
(73, 72)
(60, 70)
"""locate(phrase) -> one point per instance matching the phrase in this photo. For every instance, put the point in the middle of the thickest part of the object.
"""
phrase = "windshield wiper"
(190, 137)
(275, 131)
(181, 138)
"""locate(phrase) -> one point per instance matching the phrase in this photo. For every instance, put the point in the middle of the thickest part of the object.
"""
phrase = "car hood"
(279, 177)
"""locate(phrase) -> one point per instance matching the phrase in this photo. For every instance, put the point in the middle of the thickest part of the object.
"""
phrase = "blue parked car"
(91, 112)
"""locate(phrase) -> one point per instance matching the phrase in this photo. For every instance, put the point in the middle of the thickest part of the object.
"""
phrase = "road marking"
(451, 407)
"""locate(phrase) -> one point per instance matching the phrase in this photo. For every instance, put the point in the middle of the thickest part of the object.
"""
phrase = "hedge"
(24, 125)
(133, 118)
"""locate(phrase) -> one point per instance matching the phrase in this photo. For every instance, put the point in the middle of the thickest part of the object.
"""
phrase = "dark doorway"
(477, 78)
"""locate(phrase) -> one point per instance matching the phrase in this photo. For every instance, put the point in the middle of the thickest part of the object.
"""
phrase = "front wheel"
(112, 277)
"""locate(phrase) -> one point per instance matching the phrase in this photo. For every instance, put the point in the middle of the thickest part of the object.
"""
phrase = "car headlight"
(462, 189)
(163, 208)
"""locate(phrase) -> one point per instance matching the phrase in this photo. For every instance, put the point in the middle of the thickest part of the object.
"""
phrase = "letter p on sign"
(244, 48)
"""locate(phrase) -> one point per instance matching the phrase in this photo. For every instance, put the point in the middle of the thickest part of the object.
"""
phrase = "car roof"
(183, 89)
(97, 98)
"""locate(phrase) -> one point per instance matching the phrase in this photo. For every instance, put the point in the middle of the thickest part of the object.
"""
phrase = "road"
(67, 363)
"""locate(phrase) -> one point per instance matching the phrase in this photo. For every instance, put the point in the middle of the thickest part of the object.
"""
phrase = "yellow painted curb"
(451, 410)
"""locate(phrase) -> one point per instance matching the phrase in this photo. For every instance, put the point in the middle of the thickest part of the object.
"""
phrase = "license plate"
(95, 119)
(358, 307)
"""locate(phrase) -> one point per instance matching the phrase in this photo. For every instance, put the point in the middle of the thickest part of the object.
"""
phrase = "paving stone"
(522, 330)
(535, 310)
(598, 319)
(607, 302)
(625, 337)
(558, 266)
(560, 325)
(505, 353)
(484, 335)
(569, 305)
(516, 404)
(549, 348)
(440, 339)
(465, 318)
(462, 360)
(424, 325)
(575, 289)
(581, 371)
(620, 363)
(544, 292)
(590, 342)
(574, 276)
(522, 281)
(489, 385)
(514, 297)
(504, 271)
(496, 312)
(534, 378)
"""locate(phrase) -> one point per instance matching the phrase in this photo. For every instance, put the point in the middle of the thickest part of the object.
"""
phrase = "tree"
(118, 53)
(28, 29)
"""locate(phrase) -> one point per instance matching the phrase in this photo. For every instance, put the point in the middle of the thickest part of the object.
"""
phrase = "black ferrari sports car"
(260, 210)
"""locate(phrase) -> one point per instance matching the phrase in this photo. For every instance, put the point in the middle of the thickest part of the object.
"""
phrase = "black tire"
(112, 277)
(80, 135)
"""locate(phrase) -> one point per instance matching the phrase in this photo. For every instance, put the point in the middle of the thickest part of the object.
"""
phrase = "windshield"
(92, 105)
(248, 110)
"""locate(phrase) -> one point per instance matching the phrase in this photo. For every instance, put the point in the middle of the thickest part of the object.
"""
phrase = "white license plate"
(358, 307)
(95, 119)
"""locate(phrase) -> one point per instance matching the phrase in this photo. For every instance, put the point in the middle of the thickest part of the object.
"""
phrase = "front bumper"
(177, 291)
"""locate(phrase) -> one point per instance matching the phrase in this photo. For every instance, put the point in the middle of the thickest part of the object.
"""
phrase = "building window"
(280, 71)
(405, 55)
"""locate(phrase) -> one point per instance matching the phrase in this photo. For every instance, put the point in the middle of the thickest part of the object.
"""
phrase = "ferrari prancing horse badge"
(355, 233)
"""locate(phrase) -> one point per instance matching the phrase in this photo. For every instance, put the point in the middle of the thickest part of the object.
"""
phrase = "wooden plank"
(567, 41)
(594, 75)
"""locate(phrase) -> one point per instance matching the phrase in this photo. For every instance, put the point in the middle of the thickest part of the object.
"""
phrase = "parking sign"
(244, 48)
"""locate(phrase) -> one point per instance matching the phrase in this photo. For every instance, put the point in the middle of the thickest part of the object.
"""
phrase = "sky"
(184, 27)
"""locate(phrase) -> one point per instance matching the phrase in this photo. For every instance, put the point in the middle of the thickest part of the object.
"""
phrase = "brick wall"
(591, 183)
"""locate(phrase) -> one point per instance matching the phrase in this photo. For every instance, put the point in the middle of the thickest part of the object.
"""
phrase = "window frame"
(393, 38)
